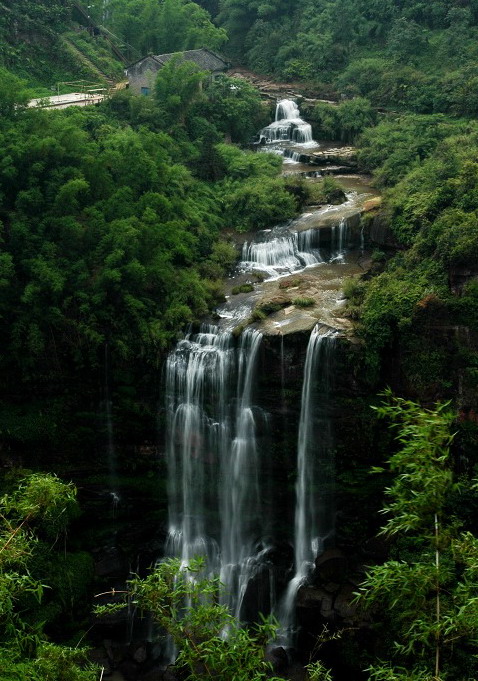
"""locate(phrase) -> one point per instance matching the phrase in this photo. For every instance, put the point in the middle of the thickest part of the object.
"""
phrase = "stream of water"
(288, 126)
(214, 494)
(313, 520)
(217, 459)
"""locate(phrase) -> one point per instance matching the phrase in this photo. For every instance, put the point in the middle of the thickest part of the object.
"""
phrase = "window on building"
(145, 90)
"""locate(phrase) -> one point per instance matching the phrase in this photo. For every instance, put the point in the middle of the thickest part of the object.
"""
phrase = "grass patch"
(258, 315)
(243, 288)
(290, 283)
(303, 302)
(327, 191)
(261, 311)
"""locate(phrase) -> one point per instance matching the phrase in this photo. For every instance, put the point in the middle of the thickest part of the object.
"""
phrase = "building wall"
(142, 75)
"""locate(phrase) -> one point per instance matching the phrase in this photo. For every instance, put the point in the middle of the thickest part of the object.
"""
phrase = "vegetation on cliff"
(40, 42)
(39, 582)
(425, 594)
(111, 235)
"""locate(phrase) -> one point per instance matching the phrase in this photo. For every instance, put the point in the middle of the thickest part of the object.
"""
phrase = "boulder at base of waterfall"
(278, 658)
(331, 566)
(343, 605)
(317, 599)
(110, 562)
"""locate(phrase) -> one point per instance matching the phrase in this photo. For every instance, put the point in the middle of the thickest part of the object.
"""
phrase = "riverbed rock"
(380, 232)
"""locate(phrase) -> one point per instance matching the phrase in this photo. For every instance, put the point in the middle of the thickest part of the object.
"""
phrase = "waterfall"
(291, 156)
(281, 251)
(283, 254)
(340, 234)
(309, 243)
(288, 126)
(239, 489)
(214, 504)
(313, 521)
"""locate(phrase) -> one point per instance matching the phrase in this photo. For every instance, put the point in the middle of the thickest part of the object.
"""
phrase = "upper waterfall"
(288, 126)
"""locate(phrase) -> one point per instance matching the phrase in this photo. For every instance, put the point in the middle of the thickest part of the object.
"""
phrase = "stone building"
(142, 74)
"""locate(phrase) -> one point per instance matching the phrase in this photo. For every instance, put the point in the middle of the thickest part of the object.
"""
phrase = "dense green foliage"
(39, 42)
(33, 517)
(160, 27)
(113, 225)
(426, 591)
(429, 163)
(111, 233)
(344, 122)
(404, 53)
(197, 631)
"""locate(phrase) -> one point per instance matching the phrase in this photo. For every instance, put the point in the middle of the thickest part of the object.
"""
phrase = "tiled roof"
(205, 59)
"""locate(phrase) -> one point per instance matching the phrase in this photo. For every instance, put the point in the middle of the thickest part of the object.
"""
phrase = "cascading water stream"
(312, 523)
(214, 505)
(340, 235)
(239, 488)
(283, 254)
(288, 126)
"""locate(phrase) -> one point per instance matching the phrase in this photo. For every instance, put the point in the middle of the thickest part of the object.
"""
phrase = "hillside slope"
(42, 42)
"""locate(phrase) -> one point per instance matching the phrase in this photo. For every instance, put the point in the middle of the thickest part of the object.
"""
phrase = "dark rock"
(99, 657)
(332, 587)
(380, 232)
(140, 654)
(158, 674)
(336, 197)
(110, 562)
(375, 549)
(331, 566)
(343, 602)
(278, 658)
(459, 277)
(316, 598)
(129, 669)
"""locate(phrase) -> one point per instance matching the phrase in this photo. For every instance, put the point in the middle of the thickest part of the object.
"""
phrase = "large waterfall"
(288, 126)
(214, 500)
(239, 489)
(224, 450)
(217, 497)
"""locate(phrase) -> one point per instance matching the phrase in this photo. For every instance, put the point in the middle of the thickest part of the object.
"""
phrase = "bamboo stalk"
(438, 614)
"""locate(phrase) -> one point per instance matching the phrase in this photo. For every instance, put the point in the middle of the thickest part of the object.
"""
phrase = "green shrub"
(257, 203)
(328, 190)
(243, 288)
(303, 302)
(289, 283)
(258, 315)
(354, 289)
